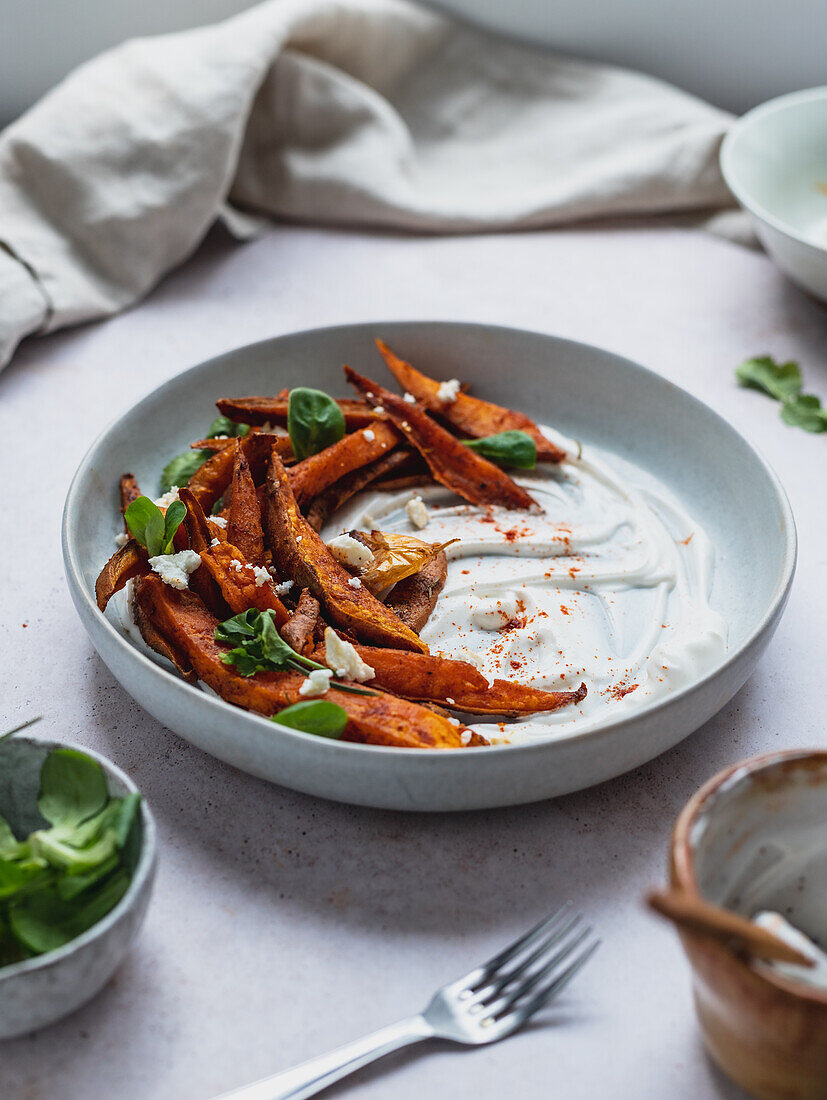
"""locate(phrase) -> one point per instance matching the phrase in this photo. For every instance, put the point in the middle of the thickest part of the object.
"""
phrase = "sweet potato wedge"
(470, 415)
(413, 599)
(244, 521)
(225, 579)
(157, 641)
(128, 562)
(273, 410)
(313, 475)
(211, 480)
(457, 684)
(129, 491)
(453, 465)
(299, 628)
(299, 553)
(377, 719)
(324, 505)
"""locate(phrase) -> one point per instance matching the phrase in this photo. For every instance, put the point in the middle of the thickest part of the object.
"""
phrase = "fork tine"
(508, 953)
(507, 1003)
(553, 937)
(557, 984)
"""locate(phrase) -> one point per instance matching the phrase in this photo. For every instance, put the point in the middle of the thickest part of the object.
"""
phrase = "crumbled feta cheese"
(369, 434)
(261, 575)
(167, 498)
(417, 512)
(448, 391)
(221, 437)
(317, 682)
(354, 582)
(454, 721)
(284, 587)
(409, 397)
(299, 538)
(369, 395)
(349, 551)
(379, 408)
(220, 520)
(342, 657)
(215, 542)
(175, 569)
(449, 700)
(406, 425)
(121, 539)
(237, 565)
(465, 737)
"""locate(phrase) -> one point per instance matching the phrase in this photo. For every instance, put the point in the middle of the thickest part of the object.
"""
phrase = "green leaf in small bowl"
(316, 716)
(72, 788)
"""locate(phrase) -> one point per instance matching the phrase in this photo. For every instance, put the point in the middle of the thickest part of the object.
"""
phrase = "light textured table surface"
(282, 925)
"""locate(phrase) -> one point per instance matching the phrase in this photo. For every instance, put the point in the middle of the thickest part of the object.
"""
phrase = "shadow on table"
(402, 871)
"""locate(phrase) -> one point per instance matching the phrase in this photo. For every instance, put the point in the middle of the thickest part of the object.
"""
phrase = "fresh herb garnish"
(805, 411)
(260, 648)
(783, 381)
(317, 716)
(511, 448)
(150, 527)
(63, 879)
(222, 425)
(314, 421)
(180, 469)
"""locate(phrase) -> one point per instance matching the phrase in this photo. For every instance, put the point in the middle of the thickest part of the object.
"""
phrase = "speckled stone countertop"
(282, 925)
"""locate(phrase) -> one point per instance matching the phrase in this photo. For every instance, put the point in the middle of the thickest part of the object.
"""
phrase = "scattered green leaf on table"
(779, 380)
(805, 411)
(318, 716)
(511, 448)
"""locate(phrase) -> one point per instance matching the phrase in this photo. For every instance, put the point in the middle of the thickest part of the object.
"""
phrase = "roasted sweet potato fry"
(470, 415)
(156, 640)
(452, 464)
(210, 481)
(457, 684)
(299, 628)
(129, 492)
(244, 522)
(414, 598)
(299, 553)
(130, 561)
(313, 475)
(273, 410)
(319, 511)
(377, 719)
(225, 578)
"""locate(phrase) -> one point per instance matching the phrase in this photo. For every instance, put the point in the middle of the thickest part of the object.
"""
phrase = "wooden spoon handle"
(697, 915)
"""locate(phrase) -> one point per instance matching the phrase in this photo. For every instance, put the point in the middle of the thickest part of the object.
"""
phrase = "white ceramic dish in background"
(591, 395)
(752, 839)
(42, 990)
(774, 161)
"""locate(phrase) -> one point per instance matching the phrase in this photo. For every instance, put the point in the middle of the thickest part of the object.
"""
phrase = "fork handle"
(311, 1077)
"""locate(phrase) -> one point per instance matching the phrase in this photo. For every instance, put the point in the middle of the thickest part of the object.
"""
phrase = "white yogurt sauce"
(609, 585)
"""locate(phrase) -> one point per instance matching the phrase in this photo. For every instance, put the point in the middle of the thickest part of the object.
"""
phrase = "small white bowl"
(774, 161)
(44, 989)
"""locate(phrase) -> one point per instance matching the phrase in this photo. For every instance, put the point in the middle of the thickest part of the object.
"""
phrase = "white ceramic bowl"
(591, 395)
(42, 990)
(774, 161)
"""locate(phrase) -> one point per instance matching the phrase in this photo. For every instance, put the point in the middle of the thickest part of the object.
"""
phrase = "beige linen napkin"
(366, 112)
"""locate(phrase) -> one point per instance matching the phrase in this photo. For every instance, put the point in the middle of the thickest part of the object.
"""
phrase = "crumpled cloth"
(361, 112)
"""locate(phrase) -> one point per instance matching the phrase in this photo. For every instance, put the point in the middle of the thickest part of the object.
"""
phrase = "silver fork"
(488, 1004)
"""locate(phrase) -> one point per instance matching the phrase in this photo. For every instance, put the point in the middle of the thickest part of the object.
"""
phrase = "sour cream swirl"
(609, 585)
